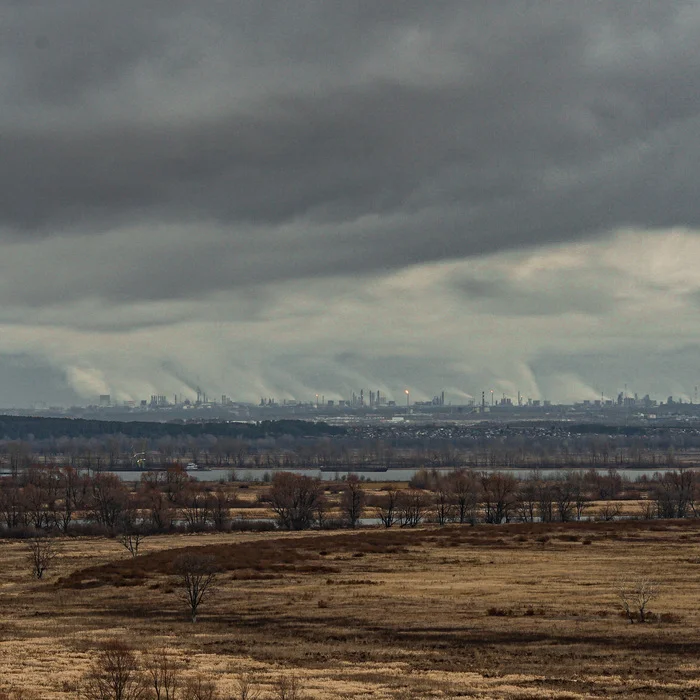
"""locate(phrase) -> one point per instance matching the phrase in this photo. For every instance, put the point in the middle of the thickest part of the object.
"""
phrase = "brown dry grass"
(517, 611)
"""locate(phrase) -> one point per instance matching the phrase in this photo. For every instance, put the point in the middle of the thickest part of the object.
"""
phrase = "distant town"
(367, 406)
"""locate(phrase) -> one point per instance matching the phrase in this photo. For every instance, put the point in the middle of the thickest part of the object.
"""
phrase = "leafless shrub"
(200, 688)
(500, 612)
(132, 541)
(635, 594)
(161, 671)
(647, 510)
(609, 511)
(247, 687)
(114, 675)
(196, 576)
(42, 551)
(130, 535)
(287, 688)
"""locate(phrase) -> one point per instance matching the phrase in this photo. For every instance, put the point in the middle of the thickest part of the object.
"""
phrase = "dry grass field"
(515, 611)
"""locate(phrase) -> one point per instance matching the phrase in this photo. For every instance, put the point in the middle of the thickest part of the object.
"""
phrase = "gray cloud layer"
(159, 160)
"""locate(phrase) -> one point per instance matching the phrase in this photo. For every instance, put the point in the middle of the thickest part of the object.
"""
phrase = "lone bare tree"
(196, 576)
(42, 552)
(635, 595)
(131, 540)
(131, 533)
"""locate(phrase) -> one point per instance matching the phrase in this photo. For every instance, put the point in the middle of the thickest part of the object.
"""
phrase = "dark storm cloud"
(560, 294)
(318, 138)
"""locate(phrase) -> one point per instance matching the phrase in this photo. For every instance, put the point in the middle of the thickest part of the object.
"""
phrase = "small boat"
(191, 467)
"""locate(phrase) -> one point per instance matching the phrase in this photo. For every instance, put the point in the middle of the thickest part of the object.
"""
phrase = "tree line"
(65, 500)
(468, 496)
(100, 445)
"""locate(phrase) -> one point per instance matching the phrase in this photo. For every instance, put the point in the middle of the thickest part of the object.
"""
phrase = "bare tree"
(196, 576)
(581, 497)
(647, 510)
(200, 688)
(107, 499)
(19, 453)
(196, 506)
(352, 500)
(295, 500)
(465, 490)
(526, 501)
(35, 498)
(162, 673)
(444, 505)
(564, 498)
(388, 506)
(11, 504)
(498, 491)
(287, 688)
(176, 478)
(609, 511)
(635, 595)
(545, 500)
(130, 531)
(160, 511)
(247, 687)
(72, 492)
(114, 675)
(674, 493)
(221, 503)
(42, 551)
(412, 507)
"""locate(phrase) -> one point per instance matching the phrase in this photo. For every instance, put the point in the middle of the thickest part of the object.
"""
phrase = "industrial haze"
(366, 408)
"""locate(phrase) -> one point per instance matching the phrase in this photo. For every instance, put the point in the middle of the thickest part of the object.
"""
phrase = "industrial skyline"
(377, 399)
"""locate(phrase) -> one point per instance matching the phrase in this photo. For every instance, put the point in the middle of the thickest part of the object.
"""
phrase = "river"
(221, 475)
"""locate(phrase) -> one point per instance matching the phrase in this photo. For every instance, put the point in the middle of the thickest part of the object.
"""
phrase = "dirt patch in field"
(316, 553)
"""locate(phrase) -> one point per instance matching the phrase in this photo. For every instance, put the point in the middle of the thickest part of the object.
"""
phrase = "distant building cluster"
(376, 399)
(375, 405)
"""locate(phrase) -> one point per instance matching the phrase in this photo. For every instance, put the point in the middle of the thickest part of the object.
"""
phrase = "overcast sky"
(290, 198)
